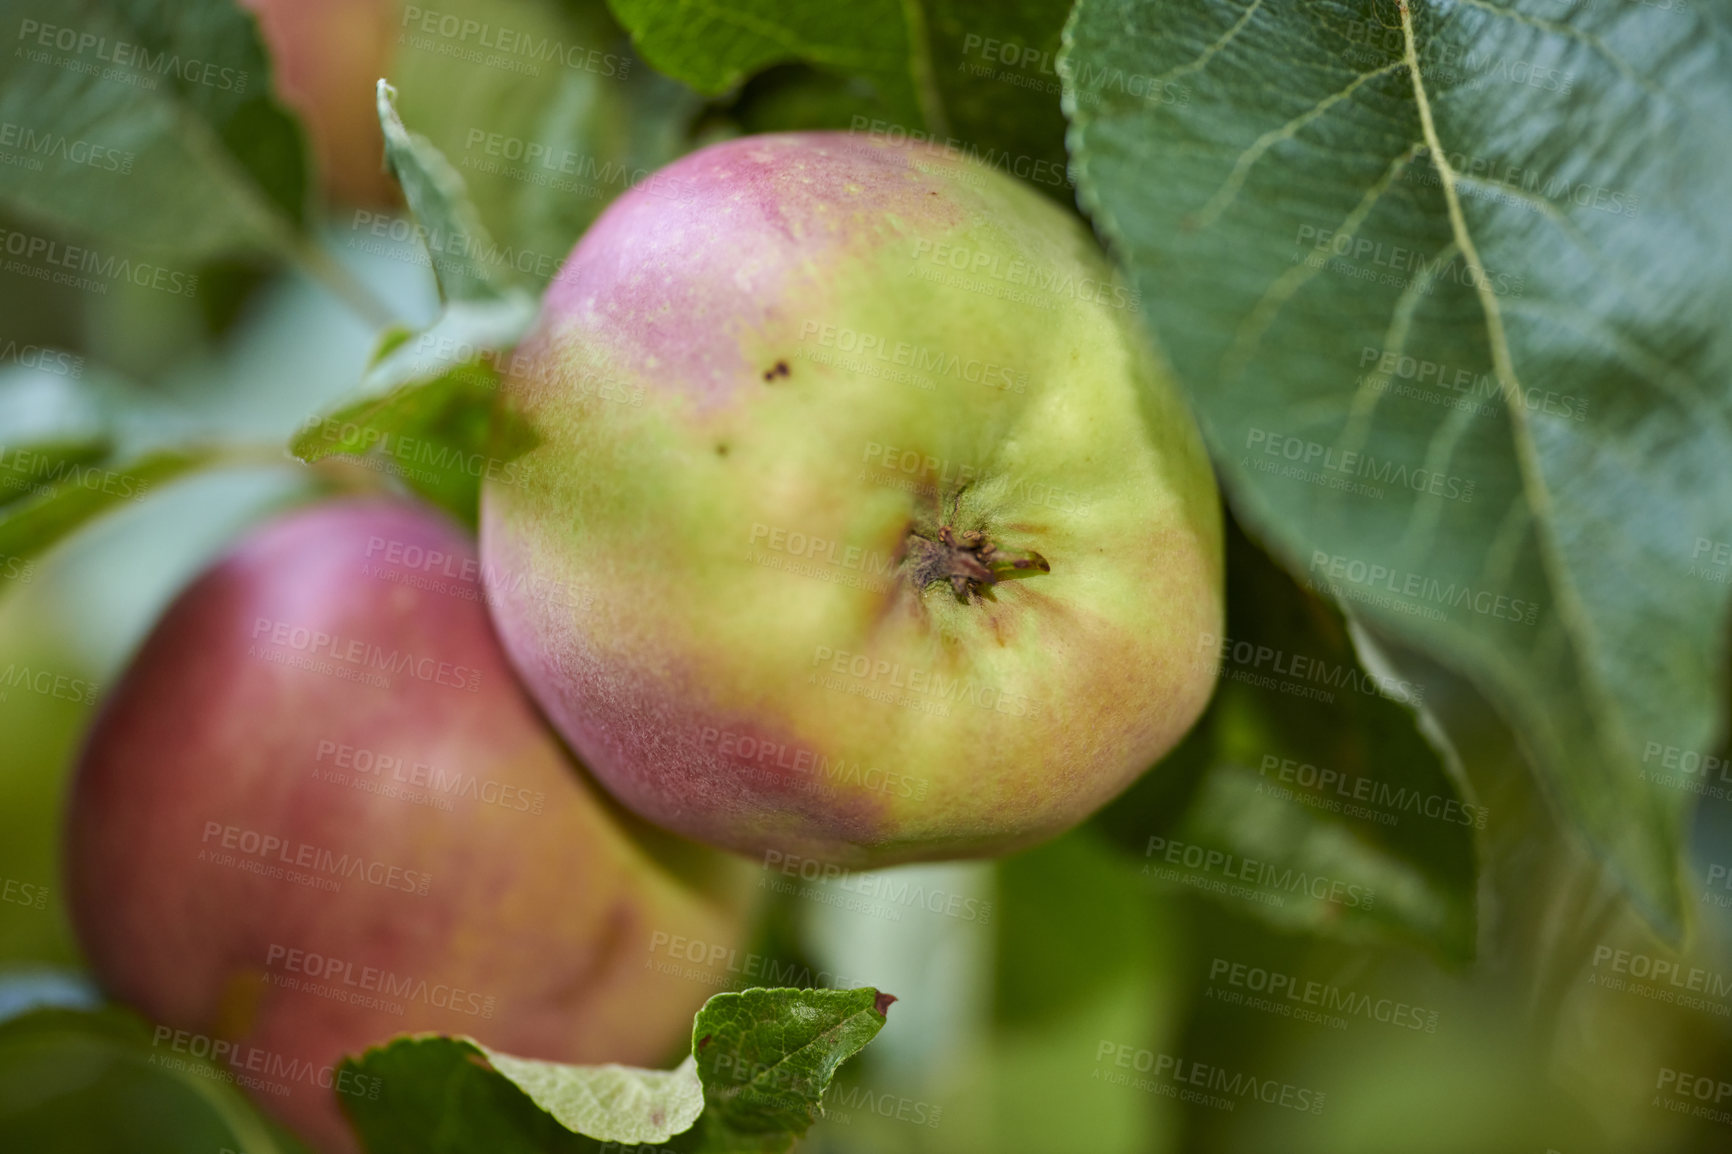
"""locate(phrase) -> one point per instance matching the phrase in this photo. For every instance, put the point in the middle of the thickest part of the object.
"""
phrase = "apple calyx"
(968, 560)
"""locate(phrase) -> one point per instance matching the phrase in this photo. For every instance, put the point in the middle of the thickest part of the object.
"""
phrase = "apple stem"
(968, 560)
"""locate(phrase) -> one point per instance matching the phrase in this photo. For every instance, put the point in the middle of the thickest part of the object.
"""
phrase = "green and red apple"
(319, 811)
(889, 536)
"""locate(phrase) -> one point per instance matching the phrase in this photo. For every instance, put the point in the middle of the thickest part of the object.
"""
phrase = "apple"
(890, 538)
(319, 811)
(328, 56)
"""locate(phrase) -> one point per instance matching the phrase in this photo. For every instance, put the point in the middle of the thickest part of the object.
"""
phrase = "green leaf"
(994, 72)
(453, 1094)
(423, 413)
(457, 241)
(767, 1056)
(52, 427)
(149, 125)
(1308, 796)
(99, 1082)
(66, 494)
(714, 45)
(761, 1062)
(612, 1103)
(1451, 303)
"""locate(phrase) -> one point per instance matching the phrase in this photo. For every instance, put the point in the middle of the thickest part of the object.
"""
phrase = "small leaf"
(456, 239)
(423, 413)
(767, 1056)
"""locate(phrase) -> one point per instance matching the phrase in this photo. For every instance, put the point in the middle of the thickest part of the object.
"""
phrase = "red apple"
(318, 811)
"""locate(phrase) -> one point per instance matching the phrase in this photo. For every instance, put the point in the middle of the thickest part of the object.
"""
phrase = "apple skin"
(759, 662)
(534, 933)
(328, 56)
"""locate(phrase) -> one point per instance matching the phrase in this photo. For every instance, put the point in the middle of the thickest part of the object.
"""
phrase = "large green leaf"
(148, 124)
(1446, 282)
(1308, 796)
